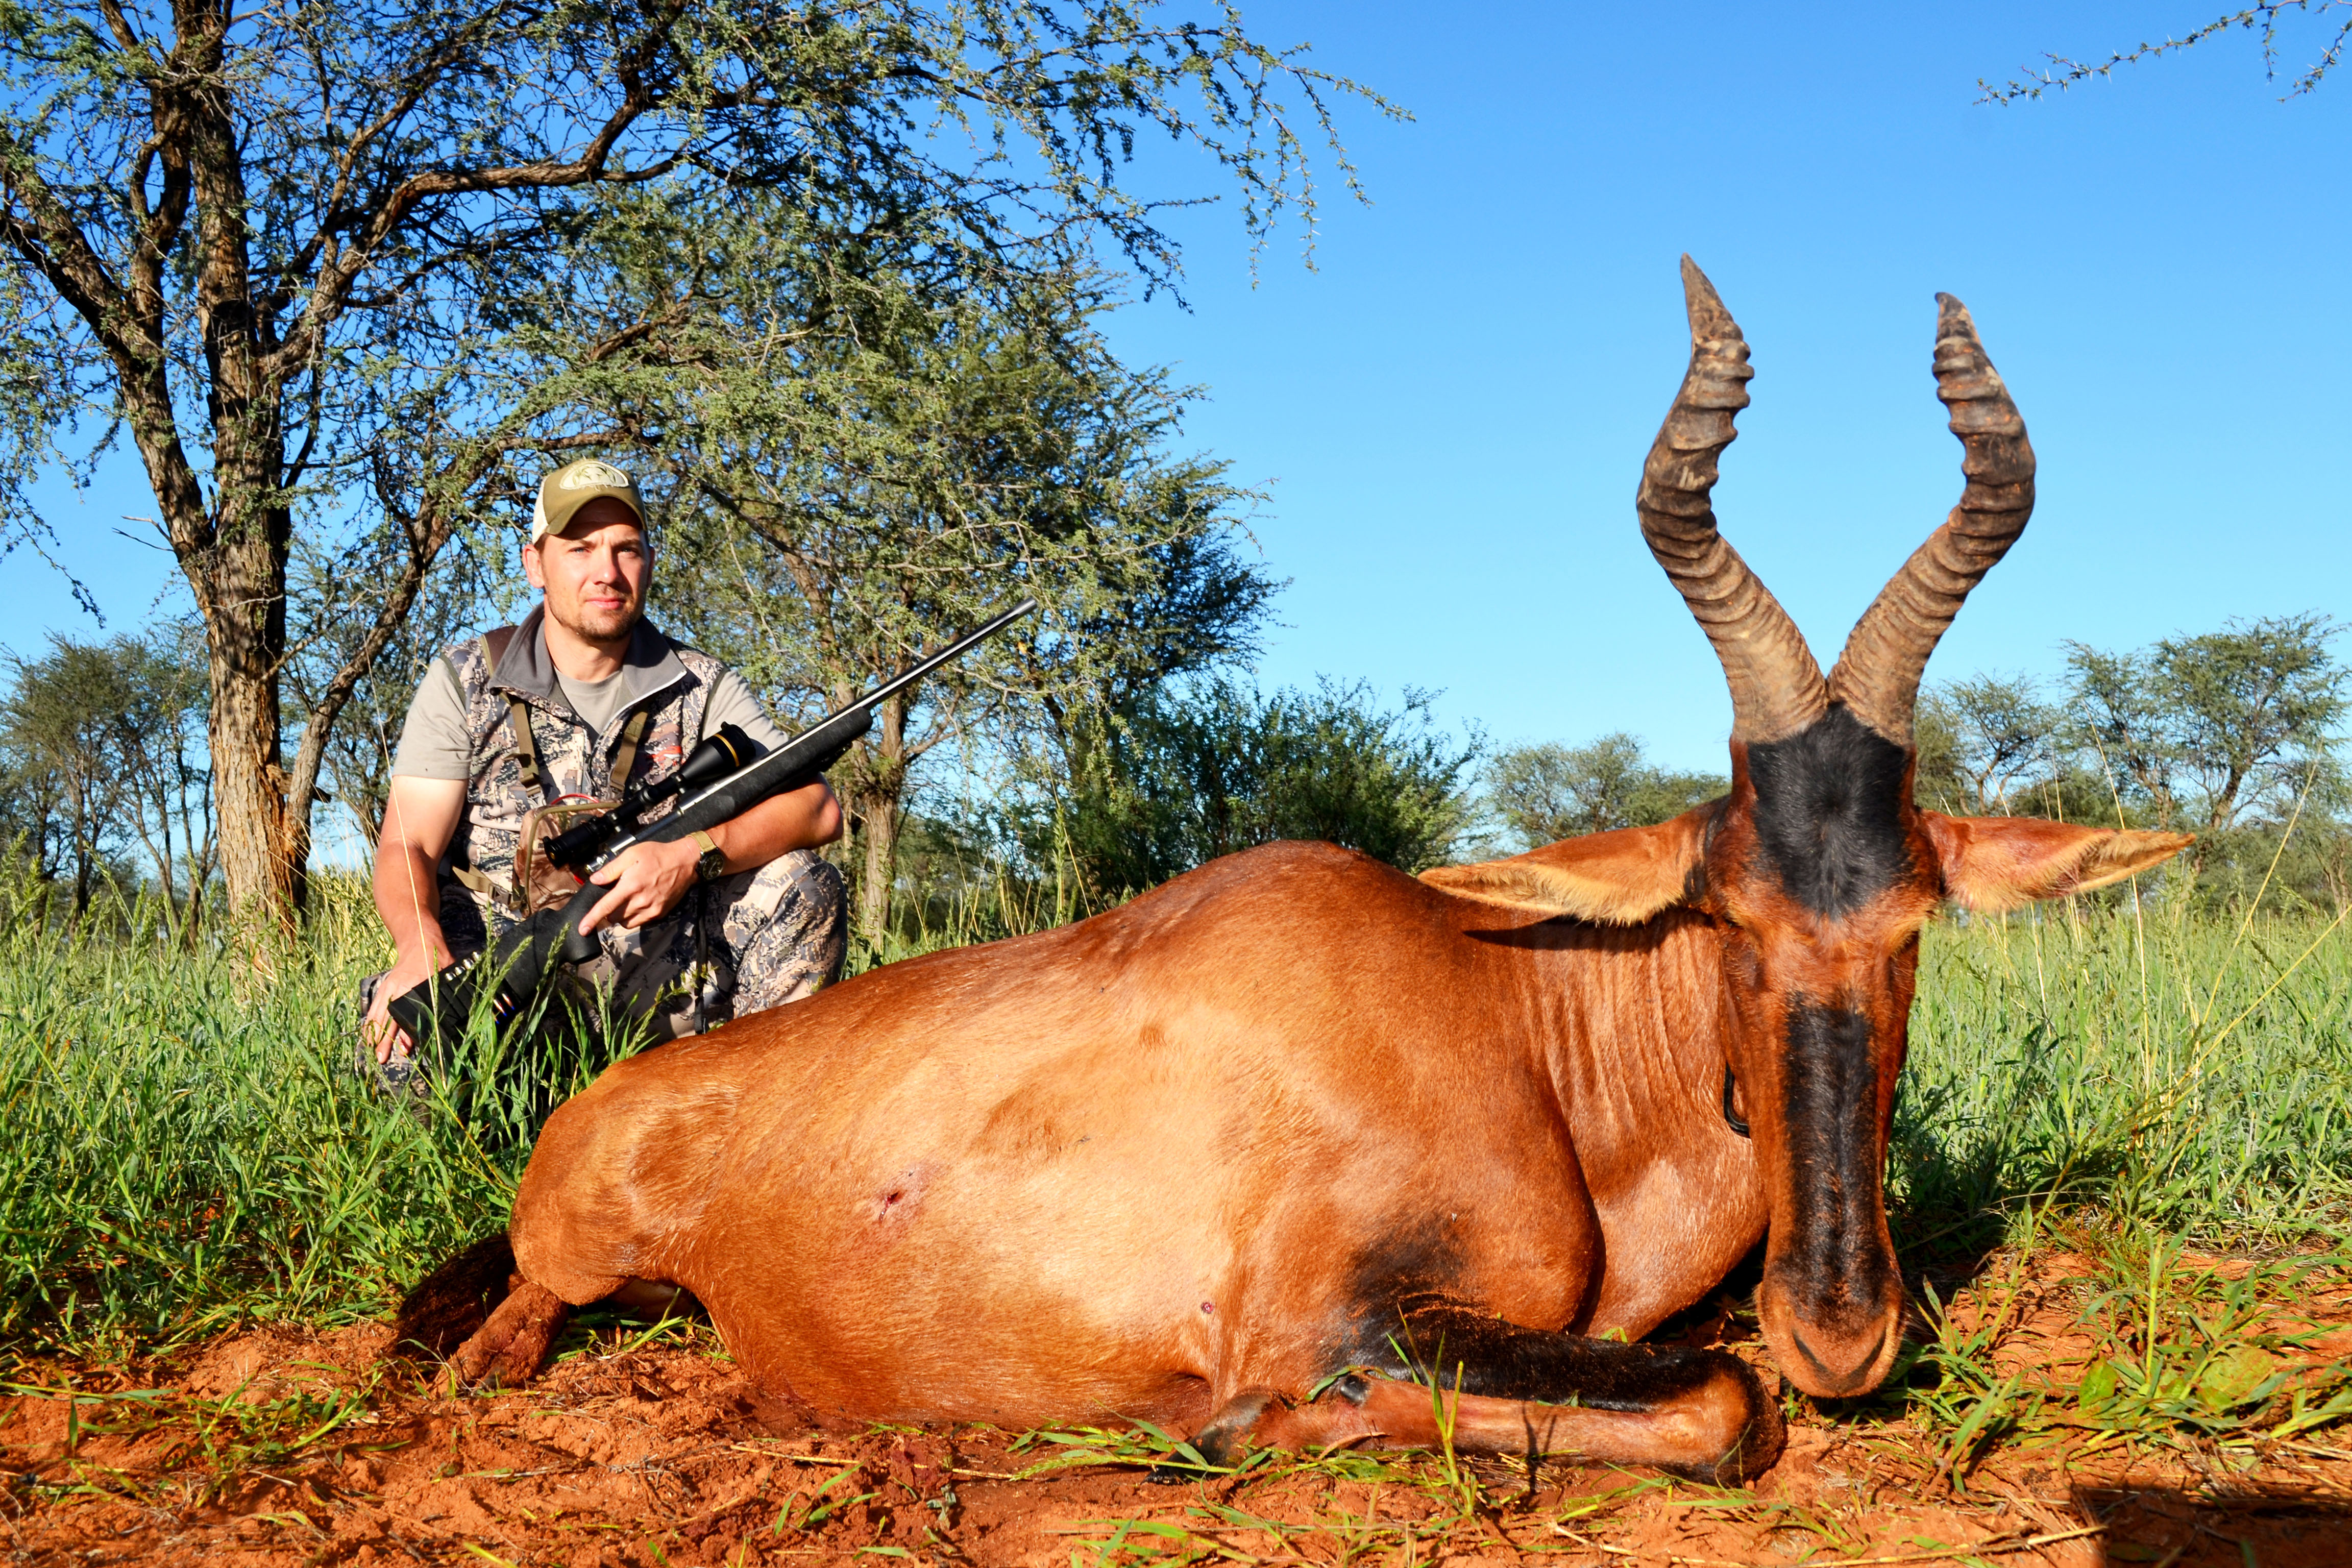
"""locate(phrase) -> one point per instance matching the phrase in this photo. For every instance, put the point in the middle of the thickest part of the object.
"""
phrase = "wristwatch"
(712, 863)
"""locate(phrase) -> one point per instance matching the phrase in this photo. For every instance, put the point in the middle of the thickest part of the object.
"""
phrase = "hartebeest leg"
(1701, 1414)
(494, 1325)
(507, 1350)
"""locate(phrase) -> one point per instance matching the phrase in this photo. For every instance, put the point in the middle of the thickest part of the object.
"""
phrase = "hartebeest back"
(1296, 1122)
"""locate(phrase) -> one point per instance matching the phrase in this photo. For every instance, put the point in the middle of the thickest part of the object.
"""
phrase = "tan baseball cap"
(564, 493)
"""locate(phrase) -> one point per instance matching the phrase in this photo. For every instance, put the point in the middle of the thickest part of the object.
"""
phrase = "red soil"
(655, 1455)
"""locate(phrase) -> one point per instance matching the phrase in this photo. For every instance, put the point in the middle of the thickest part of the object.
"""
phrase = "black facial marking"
(1829, 812)
(1834, 1261)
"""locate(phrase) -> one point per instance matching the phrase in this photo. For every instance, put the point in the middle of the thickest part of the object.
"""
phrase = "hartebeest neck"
(1628, 1022)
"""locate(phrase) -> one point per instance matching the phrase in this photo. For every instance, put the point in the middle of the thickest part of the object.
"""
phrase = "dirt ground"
(276, 1447)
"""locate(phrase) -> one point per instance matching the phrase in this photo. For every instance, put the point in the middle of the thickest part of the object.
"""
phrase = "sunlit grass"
(188, 1148)
(2191, 1073)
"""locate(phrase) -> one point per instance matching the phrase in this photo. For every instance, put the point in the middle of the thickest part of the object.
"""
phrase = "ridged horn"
(1877, 675)
(1775, 687)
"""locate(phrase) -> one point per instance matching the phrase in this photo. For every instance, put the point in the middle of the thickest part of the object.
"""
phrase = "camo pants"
(743, 944)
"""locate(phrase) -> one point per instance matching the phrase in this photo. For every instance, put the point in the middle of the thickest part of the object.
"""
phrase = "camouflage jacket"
(673, 682)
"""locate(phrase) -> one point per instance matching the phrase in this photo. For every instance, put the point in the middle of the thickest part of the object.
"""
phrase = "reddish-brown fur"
(1003, 1184)
(1137, 1167)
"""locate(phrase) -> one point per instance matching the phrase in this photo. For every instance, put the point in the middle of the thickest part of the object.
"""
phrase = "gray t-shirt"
(433, 743)
(594, 700)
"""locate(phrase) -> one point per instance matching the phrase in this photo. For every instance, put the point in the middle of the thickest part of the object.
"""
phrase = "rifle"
(515, 966)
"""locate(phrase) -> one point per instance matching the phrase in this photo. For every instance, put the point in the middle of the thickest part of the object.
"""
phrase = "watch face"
(712, 866)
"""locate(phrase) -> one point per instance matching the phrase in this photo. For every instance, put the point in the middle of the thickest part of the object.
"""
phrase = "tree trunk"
(81, 838)
(241, 588)
(248, 784)
(880, 781)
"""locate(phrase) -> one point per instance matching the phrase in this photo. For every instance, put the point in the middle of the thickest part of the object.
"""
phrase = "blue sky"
(1450, 410)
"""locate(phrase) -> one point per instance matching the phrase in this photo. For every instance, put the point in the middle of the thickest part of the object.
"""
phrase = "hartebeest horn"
(1775, 687)
(1877, 675)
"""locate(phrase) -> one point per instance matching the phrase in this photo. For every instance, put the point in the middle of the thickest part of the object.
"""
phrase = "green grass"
(187, 1151)
(187, 1147)
(2187, 1073)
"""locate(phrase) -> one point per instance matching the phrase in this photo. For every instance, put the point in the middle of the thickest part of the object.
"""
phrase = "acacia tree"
(2217, 728)
(58, 722)
(1982, 738)
(2060, 72)
(1544, 792)
(102, 741)
(312, 256)
(863, 460)
(159, 751)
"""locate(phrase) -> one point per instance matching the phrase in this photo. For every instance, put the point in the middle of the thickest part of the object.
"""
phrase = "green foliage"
(460, 597)
(1187, 774)
(2204, 732)
(1981, 741)
(1538, 795)
(864, 464)
(2232, 734)
(336, 267)
(100, 747)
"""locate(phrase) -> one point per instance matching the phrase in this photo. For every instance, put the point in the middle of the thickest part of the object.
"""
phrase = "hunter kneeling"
(583, 699)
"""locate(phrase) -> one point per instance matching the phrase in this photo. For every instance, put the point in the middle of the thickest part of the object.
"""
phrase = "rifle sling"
(525, 744)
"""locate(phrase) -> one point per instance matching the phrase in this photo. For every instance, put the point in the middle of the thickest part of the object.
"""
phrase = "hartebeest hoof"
(507, 1350)
(1220, 1439)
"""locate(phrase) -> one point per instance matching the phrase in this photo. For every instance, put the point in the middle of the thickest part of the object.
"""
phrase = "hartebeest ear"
(1619, 877)
(1995, 863)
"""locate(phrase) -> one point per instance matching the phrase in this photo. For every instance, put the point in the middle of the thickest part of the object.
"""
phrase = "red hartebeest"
(1251, 1156)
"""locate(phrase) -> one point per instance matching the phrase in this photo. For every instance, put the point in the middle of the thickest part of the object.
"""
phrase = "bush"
(1187, 775)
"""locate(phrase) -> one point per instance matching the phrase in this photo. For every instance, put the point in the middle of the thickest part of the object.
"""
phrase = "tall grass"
(2189, 1072)
(186, 1147)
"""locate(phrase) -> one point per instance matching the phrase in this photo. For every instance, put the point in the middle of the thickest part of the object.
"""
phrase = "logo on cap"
(593, 475)
(560, 494)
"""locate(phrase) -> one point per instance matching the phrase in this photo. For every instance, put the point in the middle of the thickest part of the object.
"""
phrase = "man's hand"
(377, 1028)
(648, 881)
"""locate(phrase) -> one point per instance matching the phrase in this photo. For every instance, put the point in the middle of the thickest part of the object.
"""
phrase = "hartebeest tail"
(450, 1305)
(1296, 1147)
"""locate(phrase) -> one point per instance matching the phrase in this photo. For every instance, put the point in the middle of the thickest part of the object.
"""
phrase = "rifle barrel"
(955, 650)
(737, 793)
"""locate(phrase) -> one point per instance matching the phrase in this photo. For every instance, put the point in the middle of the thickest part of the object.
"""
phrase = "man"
(582, 699)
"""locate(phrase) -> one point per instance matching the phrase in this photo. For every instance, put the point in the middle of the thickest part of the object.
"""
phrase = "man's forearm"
(801, 819)
(408, 898)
